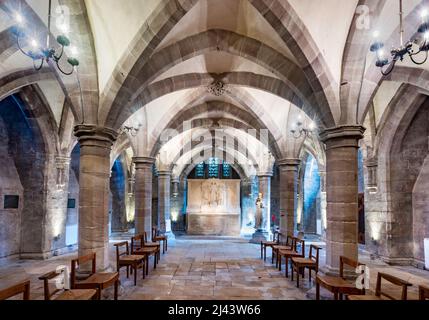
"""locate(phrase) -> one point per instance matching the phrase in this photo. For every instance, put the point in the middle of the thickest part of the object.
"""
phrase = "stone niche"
(214, 207)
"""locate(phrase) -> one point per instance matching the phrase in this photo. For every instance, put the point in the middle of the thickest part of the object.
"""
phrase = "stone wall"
(10, 184)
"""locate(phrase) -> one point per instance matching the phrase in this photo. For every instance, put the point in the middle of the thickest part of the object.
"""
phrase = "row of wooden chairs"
(293, 250)
(341, 287)
(92, 283)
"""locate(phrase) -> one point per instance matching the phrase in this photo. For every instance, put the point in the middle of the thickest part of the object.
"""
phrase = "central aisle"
(213, 269)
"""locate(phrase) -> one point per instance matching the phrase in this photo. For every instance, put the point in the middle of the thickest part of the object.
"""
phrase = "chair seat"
(130, 259)
(77, 294)
(334, 282)
(152, 244)
(363, 297)
(100, 278)
(303, 261)
(146, 250)
(280, 247)
(160, 238)
(269, 243)
(289, 253)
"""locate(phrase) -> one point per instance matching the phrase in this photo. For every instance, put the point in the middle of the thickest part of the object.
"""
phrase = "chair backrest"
(120, 253)
(299, 246)
(154, 233)
(277, 237)
(137, 242)
(47, 290)
(75, 263)
(314, 253)
(22, 287)
(344, 261)
(423, 293)
(393, 280)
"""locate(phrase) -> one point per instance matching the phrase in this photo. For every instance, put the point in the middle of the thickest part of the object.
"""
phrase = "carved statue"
(259, 211)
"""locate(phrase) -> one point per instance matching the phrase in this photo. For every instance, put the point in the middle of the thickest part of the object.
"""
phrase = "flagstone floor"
(195, 269)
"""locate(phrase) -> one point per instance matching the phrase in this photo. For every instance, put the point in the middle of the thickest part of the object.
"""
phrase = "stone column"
(288, 194)
(143, 194)
(263, 229)
(94, 180)
(342, 144)
(323, 202)
(164, 208)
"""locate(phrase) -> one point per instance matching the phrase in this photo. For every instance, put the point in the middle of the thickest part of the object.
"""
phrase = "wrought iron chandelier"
(411, 48)
(299, 130)
(44, 54)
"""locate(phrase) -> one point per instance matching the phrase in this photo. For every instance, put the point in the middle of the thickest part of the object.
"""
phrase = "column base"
(260, 235)
(170, 235)
(335, 272)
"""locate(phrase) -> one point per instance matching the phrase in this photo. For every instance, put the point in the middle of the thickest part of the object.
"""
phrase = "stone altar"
(214, 207)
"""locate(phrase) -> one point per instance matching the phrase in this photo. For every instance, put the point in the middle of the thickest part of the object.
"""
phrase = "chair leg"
(166, 245)
(261, 250)
(297, 277)
(317, 291)
(272, 255)
(265, 253)
(147, 264)
(287, 267)
(128, 272)
(116, 290)
(292, 272)
(154, 261)
(135, 274)
(280, 261)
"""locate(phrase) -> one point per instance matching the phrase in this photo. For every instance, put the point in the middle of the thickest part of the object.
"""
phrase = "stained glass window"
(226, 169)
(199, 170)
(213, 168)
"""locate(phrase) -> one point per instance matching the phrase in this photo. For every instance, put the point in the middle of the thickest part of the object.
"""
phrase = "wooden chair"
(300, 263)
(289, 254)
(288, 245)
(74, 294)
(124, 259)
(378, 291)
(19, 288)
(156, 245)
(157, 237)
(270, 244)
(99, 281)
(138, 248)
(339, 285)
(423, 293)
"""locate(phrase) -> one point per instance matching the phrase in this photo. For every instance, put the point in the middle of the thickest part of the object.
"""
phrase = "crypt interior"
(232, 133)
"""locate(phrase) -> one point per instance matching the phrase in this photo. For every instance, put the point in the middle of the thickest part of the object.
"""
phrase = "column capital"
(62, 161)
(373, 162)
(164, 173)
(265, 174)
(289, 162)
(342, 136)
(142, 162)
(95, 135)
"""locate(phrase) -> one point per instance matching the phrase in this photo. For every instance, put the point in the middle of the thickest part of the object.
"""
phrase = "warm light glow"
(426, 35)
(74, 52)
(19, 18)
(376, 34)
(424, 13)
(380, 54)
(174, 216)
(34, 44)
(312, 125)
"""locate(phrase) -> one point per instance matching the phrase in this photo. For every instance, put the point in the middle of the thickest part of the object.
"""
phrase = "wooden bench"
(99, 281)
(379, 293)
(74, 294)
(124, 259)
(16, 289)
(339, 285)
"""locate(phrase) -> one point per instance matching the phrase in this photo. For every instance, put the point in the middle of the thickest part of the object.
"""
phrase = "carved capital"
(342, 136)
(143, 162)
(91, 135)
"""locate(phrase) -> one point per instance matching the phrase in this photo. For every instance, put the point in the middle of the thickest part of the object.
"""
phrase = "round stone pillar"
(288, 194)
(164, 206)
(143, 194)
(94, 181)
(263, 223)
(342, 144)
